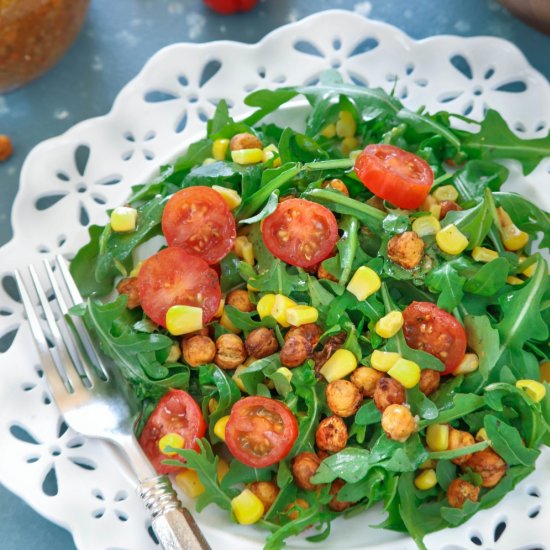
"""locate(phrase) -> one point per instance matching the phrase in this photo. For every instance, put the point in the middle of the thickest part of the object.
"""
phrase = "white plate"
(152, 119)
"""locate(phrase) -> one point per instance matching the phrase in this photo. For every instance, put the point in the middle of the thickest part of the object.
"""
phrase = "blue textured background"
(117, 39)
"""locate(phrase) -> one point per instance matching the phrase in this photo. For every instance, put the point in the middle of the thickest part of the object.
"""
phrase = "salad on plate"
(322, 318)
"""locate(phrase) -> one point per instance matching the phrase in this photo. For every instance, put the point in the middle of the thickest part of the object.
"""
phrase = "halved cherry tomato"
(260, 431)
(300, 232)
(227, 7)
(198, 220)
(173, 277)
(435, 331)
(177, 412)
(395, 175)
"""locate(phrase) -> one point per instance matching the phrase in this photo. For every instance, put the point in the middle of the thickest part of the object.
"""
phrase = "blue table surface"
(118, 38)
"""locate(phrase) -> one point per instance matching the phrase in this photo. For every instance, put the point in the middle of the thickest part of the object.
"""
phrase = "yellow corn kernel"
(269, 152)
(426, 225)
(219, 312)
(226, 323)
(427, 464)
(482, 254)
(123, 219)
(301, 315)
(219, 427)
(230, 196)
(286, 372)
(212, 405)
(237, 377)
(545, 371)
(389, 325)
(208, 161)
(219, 149)
(528, 271)
(248, 254)
(445, 193)
(513, 238)
(535, 390)
(429, 201)
(425, 480)
(137, 268)
(171, 440)
(364, 282)
(247, 507)
(437, 437)
(329, 131)
(251, 288)
(182, 319)
(265, 305)
(451, 240)
(247, 156)
(406, 372)
(349, 144)
(469, 364)
(481, 435)
(511, 280)
(244, 249)
(278, 311)
(175, 353)
(222, 469)
(346, 125)
(188, 481)
(354, 154)
(339, 365)
(383, 360)
(435, 211)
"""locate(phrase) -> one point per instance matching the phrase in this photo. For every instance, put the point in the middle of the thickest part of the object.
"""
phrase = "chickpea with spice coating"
(322, 273)
(266, 491)
(489, 465)
(261, 342)
(343, 398)
(295, 351)
(310, 331)
(332, 434)
(244, 140)
(406, 249)
(366, 379)
(129, 287)
(398, 422)
(198, 350)
(230, 352)
(429, 381)
(459, 491)
(388, 392)
(304, 465)
(336, 504)
(457, 440)
(240, 300)
(337, 184)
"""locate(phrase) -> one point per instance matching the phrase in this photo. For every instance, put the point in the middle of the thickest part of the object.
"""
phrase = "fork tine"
(66, 361)
(54, 378)
(68, 279)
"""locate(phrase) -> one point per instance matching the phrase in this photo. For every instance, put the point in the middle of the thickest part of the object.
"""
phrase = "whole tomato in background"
(227, 7)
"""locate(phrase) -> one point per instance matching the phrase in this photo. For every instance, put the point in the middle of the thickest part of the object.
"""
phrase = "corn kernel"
(364, 282)
(481, 435)
(383, 360)
(247, 507)
(426, 225)
(469, 364)
(482, 254)
(339, 365)
(429, 201)
(513, 238)
(269, 153)
(171, 440)
(174, 354)
(451, 240)
(437, 437)
(511, 280)
(354, 154)
(406, 372)
(123, 219)
(427, 464)
(137, 268)
(212, 405)
(265, 305)
(247, 156)
(237, 377)
(219, 311)
(435, 211)
(222, 469)
(426, 480)
(285, 372)
(188, 481)
(535, 390)
(219, 149)
(219, 427)
(278, 311)
(349, 144)
(182, 319)
(528, 271)
(445, 193)
(301, 315)
(329, 131)
(545, 371)
(346, 125)
(390, 324)
(244, 249)
(230, 196)
(226, 323)
(251, 288)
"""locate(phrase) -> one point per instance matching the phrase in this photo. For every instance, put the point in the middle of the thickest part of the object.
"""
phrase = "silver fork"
(96, 401)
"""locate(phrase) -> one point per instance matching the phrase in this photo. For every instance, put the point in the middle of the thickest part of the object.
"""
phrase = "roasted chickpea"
(429, 381)
(304, 466)
(240, 300)
(266, 491)
(376, 202)
(446, 207)
(459, 491)
(129, 286)
(322, 273)
(336, 504)
(244, 141)
(406, 249)
(343, 398)
(204, 331)
(388, 392)
(198, 350)
(336, 184)
(332, 434)
(295, 351)
(398, 422)
(488, 465)
(366, 378)
(230, 352)
(310, 331)
(457, 440)
(261, 342)
(291, 509)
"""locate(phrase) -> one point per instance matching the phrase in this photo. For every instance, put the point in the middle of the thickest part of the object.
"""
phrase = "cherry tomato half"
(172, 277)
(435, 331)
(395, 175)
(300, 232)
(227, 7)
(198, 220)
(260, 431)
(177, 412)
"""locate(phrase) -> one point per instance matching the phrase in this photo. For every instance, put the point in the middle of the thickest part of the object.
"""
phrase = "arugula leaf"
(478, 175)
(245, 321)
(279, 279)
(446, 280)
(461, 451)
(195, 155)
(268, 209)
(347, 246)
(240, 473)
(462, 404)
(368, 414)
(489, 279)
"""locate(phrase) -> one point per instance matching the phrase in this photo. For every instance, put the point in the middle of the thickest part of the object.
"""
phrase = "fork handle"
(173, 524)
